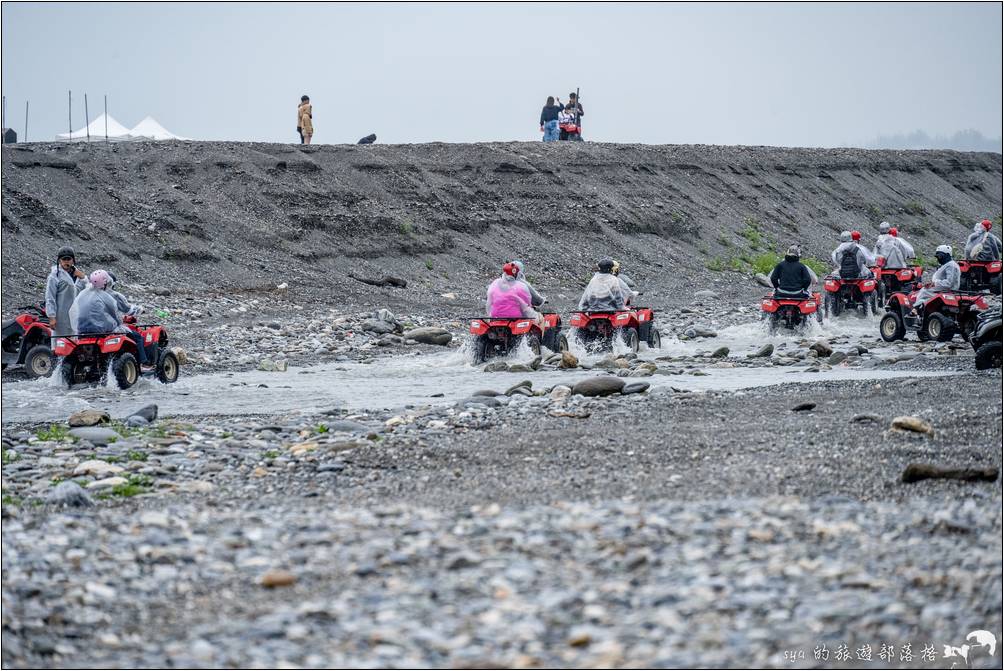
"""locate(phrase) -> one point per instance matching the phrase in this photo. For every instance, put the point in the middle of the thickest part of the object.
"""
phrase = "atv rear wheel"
(995, 288)
(654, 338)
(39, 361)
(563, 343)
(533, 340)
(125, 369)
(939, 327)
(480, 350)
(631, 339)
(892, 327)
(989, 355)
(833, 305)
(168, 368)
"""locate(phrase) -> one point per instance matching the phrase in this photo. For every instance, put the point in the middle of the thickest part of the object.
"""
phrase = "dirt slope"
(221, 216)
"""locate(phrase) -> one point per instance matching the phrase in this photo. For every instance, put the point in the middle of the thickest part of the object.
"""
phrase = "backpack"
(849, 265)
(984, 249)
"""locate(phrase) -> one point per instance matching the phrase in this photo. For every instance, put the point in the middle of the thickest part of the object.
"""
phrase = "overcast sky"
(794, 74)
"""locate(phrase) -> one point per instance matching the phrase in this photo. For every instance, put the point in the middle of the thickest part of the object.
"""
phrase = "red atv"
(843, 294)
(791, 311)
(981, 276)
(596, 330)
(891, 280)
(26, 341)
(498, 336)
(944, 315)
(89, 358)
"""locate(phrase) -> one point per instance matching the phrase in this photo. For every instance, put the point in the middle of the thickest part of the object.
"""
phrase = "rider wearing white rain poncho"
(605, 292)
(945, 278)
(96, 311)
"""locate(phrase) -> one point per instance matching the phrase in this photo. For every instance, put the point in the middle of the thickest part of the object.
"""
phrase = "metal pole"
(69, 111)
(25, 121)
(4, 122)
(87, 119)
(106, 118)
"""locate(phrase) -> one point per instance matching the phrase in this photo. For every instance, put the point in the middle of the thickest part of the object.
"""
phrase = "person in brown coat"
(305, 120)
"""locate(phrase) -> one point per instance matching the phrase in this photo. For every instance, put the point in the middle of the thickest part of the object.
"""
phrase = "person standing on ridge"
(305, 120)
(571, 122)
(549, 119)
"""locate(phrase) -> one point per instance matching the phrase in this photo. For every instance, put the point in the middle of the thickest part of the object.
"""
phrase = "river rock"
(430, 335)
(764, 351)
(705, 293)
(147, 412)
(97, 468)
(720, 353)
(560, 391)
(915, 424)
(700, 332)
(346, 426)
(135, 421)
(519, 368)
(377, 326)
(568, 360)
(802, 407)
(763, 280)
(598, 386)
(496, 367)
(525, 383)
(95, 434)
(821, 348)
(837, 357)
(635, 388)
(535, 364)
(276, 578)
(486, 392)
(89, 418)
(107, 483)
(181, 355)
(68, 493)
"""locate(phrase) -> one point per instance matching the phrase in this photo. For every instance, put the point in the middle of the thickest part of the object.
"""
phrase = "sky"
(755, 74)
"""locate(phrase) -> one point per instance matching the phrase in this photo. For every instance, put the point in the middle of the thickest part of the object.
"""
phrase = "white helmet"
(884, 227)
(944, 249)
(845, 236)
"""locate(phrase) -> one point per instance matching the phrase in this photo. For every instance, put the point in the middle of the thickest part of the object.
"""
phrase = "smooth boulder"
(598, 386)
(430, 335)
(88, 418)
(95, 434)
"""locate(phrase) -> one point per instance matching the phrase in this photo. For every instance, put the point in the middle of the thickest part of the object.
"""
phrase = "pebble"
(276, 578)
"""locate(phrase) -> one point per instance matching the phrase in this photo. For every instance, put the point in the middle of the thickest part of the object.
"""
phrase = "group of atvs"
(946, 313)
(28, 341)
(598, 331)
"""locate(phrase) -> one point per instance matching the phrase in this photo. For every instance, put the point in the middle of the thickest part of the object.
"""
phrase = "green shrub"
(764, 263)
(819, 267)
(54, 432)
(716, 264)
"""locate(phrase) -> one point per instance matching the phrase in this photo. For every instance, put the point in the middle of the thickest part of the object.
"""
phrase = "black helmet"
(65, 252)
(605, 265)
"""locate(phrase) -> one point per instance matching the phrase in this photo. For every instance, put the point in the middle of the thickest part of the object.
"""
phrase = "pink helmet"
(100, 279)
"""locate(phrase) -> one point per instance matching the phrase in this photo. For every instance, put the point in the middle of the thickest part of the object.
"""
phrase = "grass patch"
(703, 249)
(428, 264)
(819, 267)
(752, 232)
(914, 208)
(9, 500)
(924, 262)
(875, 212)
(764, 263)
(8, 459)
(270, 454)
(54, 432)
(723, 240)
(322, 428)
(135, 485)
(406, 227)
(135, 455)
(716, 264)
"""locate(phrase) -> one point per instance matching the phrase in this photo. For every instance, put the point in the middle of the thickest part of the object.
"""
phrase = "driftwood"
(917, 472)
(385, 281)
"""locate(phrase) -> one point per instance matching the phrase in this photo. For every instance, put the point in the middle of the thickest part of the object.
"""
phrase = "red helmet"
(987, 224)
(511, 269)
(893, 232)
(855, 235)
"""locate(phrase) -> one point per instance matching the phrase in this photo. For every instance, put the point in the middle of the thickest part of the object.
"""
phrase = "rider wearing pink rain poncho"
(508, 297)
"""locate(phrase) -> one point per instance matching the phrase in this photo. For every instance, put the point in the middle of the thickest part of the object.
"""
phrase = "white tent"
(116, 131)
(149, 129)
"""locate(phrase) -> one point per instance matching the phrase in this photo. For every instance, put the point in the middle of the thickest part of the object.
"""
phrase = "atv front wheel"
(125, 369)
(563, 343)
(989, 355)
(39, 361)
(533, 341)
(892, 328)
(939, 327)
(168, 368)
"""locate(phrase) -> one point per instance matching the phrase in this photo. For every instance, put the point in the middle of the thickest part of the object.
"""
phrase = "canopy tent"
(116, 131)
(150, 129)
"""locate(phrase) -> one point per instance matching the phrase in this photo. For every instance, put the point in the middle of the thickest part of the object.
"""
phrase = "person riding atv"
(982, 245)
(627, 284)
(65, 281)
(946, 278)
(894, 250)
(791, 277)
(850, 258)
(536, 299)
(604, 293)
(508, 297)
(96, 311)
